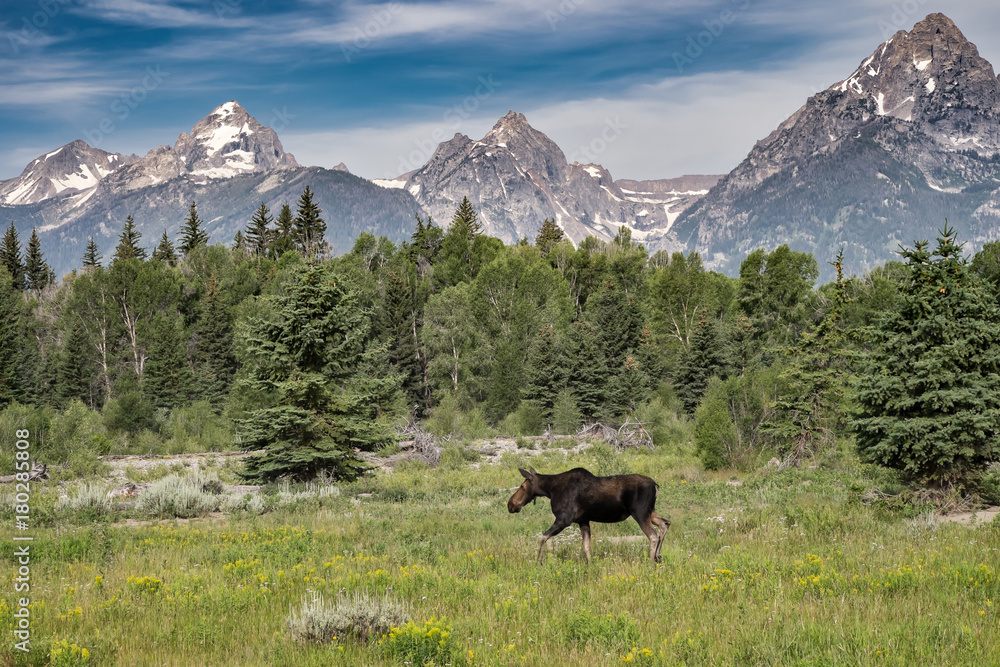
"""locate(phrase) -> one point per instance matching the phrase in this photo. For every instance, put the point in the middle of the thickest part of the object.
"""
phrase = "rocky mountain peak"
(225, 143)
(71, 169)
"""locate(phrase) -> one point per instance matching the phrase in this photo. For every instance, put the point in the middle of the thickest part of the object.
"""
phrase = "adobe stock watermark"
(563, 11)
(588, 153)
(279, 119)
(902, 18)
(31, 25)
(224, 8)
(363, 34)
(452, 119)
(698, 42)
(124, 105)
(22, 541)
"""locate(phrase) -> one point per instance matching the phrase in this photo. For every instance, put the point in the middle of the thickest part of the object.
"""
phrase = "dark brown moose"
(578, 496)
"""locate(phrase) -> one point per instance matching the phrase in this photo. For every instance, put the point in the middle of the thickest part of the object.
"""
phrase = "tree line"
(312, 357)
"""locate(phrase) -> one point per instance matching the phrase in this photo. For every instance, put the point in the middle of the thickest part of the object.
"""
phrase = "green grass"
(786, 568)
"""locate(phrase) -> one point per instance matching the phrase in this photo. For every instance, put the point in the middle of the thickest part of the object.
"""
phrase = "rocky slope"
(516, 177)
(880, 158)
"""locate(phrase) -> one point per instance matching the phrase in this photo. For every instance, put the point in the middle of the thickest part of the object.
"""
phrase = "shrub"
(450, 417)
(357, 615)
(566, 416)
(728, 423)
(89, 497)
(427, 644)
(129, 413)
(175, 496)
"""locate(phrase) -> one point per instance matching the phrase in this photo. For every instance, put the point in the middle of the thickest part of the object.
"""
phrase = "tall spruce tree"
(10, 258)
(547, 370)
(706, 357)
(284, 233)
(928, 392)
(10, 315)
(307, 354)
(258, 232)
(164, 251)
(128, 243)
(72, 377)
(92, 256)
(37, 272)
(549, 235)
(215, 362)
(588, 377)
(192, 235)
(309, 226)
(167, 378)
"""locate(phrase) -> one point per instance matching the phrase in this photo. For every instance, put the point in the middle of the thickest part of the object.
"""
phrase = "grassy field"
(775, 568)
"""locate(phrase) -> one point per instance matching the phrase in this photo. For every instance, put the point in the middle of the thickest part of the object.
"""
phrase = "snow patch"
(930, 85)
(643, 213)
(880, 101)
(225, 110)
(391, 184)
(921, 65)
(593, 171)
(414, 189)
(53, 153)
(219, 137)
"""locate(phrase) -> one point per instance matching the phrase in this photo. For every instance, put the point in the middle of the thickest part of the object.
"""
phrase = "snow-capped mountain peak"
(69, 170)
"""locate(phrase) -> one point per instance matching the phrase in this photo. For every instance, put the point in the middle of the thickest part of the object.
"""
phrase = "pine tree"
(164, 251)
(38, 273)
(10, 258)
(192, 235)
(547, 370)
(308, 355)
(215, 363)
(805, 415)
(549, 235)
(466, 216)
(589, 374)
(240, 243)
(10, 315)
(258, 232)
(167, 378)
(929, 388)
(72, 379)
(284, 234)
(128, 243)
(705, 358)
(309, 226)
(91, 256)
(398, 329)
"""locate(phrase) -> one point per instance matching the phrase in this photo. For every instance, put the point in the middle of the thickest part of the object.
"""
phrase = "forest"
(273, 344)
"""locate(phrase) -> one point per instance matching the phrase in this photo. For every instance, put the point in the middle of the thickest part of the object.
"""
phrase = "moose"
(578, 496)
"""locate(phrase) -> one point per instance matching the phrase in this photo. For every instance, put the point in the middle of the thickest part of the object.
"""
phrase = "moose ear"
(524, 474)
(532, 470)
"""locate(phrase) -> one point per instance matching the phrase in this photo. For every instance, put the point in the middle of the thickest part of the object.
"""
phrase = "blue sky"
(375, 84)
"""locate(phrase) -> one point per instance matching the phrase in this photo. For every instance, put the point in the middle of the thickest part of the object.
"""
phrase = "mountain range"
(882, 157)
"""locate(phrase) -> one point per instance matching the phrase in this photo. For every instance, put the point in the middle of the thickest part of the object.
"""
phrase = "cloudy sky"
(648, 88)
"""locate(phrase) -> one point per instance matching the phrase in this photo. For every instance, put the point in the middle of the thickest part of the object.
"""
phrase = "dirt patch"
(970, 518)
(143, 464)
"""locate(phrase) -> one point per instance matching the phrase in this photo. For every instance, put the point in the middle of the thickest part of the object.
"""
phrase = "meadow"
(775, 567)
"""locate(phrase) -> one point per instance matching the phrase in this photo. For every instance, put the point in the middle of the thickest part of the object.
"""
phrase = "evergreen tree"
(128, 243)
(547, 370)
(192, 235)
(466, 217)
(704, 359)
(91, 256)
(10, 314)
(258, 232)
(215, 363)
(309, 226)
(398, 324)
(167, 378)
(588, 378)
(164, 251)
(806, 413)
(307, 355)
(549, 235)
(38, 273)
(10, 258)
(929, 388)
(240, 243)
(284, 234)
(72, 377)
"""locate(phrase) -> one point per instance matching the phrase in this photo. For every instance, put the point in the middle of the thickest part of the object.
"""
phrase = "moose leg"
(585, 533)
(662, 524)
(646, 523)
(554, 530)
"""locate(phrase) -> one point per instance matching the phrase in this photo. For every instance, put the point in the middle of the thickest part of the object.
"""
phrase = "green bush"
(129, 413)
(728, 423)
(566, 416)
(451, 417)
(427, 644)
